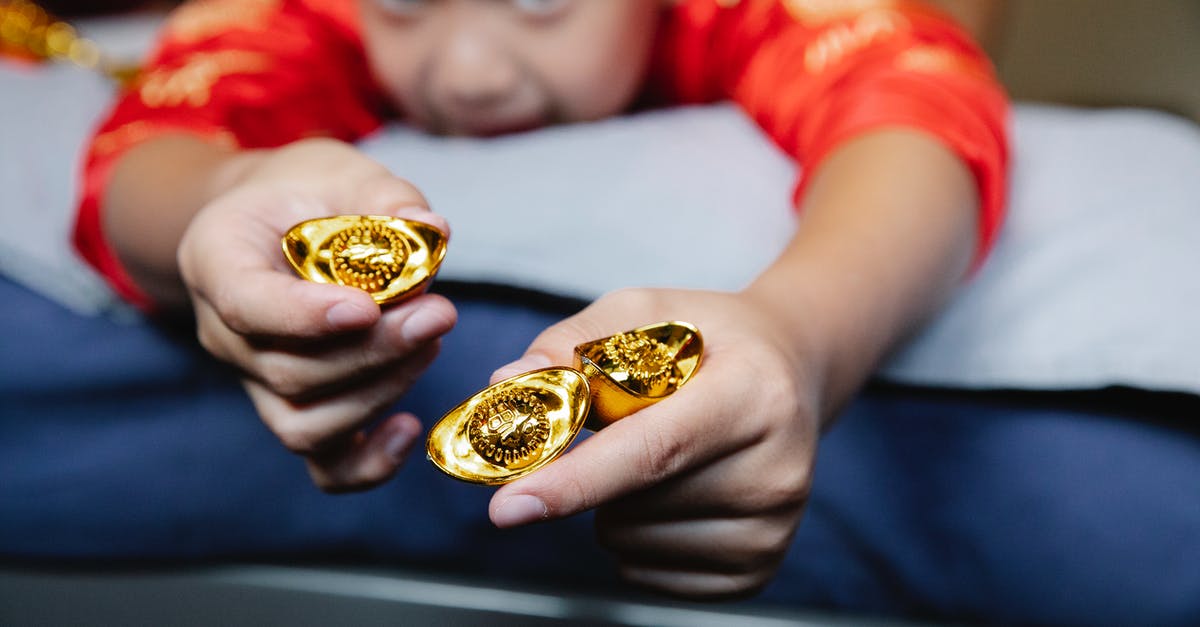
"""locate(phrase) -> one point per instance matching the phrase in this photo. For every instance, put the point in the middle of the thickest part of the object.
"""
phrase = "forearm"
(155, 190)
(888, 228)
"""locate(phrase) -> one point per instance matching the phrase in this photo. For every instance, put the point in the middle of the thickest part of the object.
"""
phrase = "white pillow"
(690, 197)
(45, 116)
(1093, 281)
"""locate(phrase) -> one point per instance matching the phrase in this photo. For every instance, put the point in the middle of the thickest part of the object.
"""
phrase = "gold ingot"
(519, 425)
(386, 257)
(511, 428)
(630, 371)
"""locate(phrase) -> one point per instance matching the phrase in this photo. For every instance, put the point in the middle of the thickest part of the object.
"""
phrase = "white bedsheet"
(1091, 284)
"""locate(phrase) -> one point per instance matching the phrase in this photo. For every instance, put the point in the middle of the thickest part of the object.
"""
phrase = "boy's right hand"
(319, 361)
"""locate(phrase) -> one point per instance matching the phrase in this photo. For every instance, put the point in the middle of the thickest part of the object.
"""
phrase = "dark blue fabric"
(124, 441)
(1004, 512)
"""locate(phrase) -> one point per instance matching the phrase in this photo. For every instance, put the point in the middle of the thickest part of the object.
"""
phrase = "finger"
(367, 459)
(699, 586)
(720, 545)
(308, 428)
(267, 302)
(322, 368)
(385, 194)
(628, 456)
(556, 345)
(228, 344)
(745, 482)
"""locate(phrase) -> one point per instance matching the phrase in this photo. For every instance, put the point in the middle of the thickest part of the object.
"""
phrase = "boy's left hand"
(700, 494)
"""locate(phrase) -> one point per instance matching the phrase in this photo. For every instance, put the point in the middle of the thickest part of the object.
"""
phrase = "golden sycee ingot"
(630, 371)
(511, 428)
(386, 257)
(518, 425)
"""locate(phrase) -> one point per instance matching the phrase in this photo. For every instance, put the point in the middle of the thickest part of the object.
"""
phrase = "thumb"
(634, 453)
(556, 345)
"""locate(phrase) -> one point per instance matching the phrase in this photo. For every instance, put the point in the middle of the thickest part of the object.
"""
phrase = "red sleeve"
(246, 73)
(815, 73)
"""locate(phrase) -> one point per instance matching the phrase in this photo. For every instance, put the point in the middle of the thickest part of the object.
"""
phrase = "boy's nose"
(474, 72)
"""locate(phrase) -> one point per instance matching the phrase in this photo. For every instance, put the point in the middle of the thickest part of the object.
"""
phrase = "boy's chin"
(494, 128)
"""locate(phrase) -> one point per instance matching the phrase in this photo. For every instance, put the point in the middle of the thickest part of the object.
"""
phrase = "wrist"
(228, 172)
(817, 339)
(156, 189)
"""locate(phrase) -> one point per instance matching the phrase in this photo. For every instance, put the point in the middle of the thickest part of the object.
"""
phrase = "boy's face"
(485, 67)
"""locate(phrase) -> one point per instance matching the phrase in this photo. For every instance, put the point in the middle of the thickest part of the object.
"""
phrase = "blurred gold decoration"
(387, 257)
(519, 425)
(820, 11)
(201, 19)
(137, 131)
(192, 82)
(841, 40)
(30, 32)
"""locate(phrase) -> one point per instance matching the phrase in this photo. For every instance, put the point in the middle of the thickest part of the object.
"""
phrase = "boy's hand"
(320, 361)
(699, 495)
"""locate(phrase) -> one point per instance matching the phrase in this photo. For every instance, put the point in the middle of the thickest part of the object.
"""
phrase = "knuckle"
(572, 489)
(282, 379)
(208, 340)
(742, 586)
(347, 474)
(323, 481)
(702, 586)
(726, 586)
(230, 311)
(633, 299)
(663, 451)
(787, 486)
(778, 395)
(567, 333)
(388, 183)
(344, 485)
(298, 439)
(766, 547)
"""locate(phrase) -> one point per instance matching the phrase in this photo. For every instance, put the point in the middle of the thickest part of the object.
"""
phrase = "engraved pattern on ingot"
(367, 256)
(509, 428)
(647, 361)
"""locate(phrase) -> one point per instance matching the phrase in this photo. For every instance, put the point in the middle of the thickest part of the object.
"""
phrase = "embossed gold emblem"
(509, 428)
(384, 256)
(519, 425)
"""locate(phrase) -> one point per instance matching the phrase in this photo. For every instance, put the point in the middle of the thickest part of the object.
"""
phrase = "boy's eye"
(403, 7)
(539, 8)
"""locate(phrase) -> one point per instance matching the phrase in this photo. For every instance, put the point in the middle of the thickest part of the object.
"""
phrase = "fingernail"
(348, 314)
(528, 363)
(400, 443)
(521, 509)
(422, 325)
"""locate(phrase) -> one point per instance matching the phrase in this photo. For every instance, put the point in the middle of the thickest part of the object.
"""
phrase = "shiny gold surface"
(511, 428)
(630, 371)
(521, 424)
(384, 256)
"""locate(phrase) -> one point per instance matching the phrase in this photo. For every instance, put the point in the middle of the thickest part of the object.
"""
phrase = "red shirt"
(811, 73)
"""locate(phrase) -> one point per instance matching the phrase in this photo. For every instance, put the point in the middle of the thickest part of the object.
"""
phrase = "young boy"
(236, 132)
